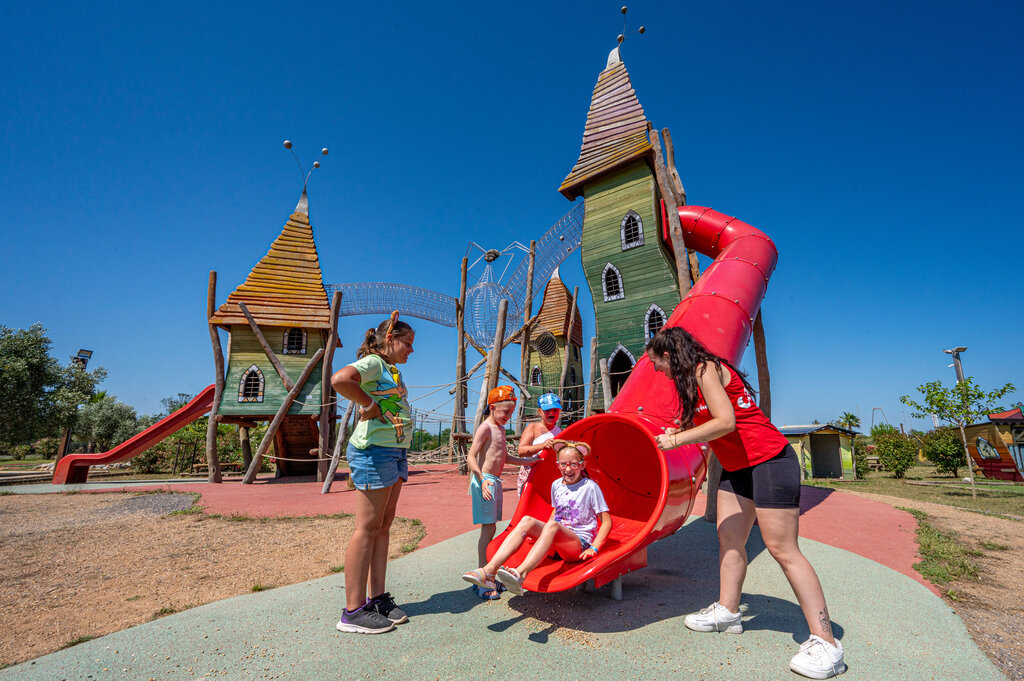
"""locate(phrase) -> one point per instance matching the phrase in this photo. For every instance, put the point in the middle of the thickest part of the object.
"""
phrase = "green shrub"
(896, 452)
(945, 449)
(47, 447)
(19, 452)
(860, 456)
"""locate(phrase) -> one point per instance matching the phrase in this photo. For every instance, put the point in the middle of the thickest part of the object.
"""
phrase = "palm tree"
(848, 420)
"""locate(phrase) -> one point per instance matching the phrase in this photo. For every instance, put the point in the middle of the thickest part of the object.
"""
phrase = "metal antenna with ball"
(302, 171)
(622, 36)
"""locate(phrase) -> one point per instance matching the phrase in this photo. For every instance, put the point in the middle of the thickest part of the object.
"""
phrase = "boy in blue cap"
(536, 436)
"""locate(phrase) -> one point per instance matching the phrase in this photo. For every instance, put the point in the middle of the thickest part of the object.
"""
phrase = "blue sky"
(877, 143)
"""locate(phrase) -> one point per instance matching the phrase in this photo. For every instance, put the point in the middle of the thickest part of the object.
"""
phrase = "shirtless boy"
(487, 459)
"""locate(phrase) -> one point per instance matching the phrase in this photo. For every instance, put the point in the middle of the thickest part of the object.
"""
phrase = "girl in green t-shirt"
(378, 467)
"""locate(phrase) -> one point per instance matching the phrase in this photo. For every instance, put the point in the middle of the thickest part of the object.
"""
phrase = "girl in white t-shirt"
(578, 505)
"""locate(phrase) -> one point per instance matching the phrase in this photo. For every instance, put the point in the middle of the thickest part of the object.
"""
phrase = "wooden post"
(246, 446)
(257, 460)
(524, 343)
(568, 345)
(266, 347)
(672, 208)
(593, 374)
(213, 473)
(493, 365)
(327, 409)
(606, 385)
(714, 478)
(461, 389)
(764, 383)
(677, 185)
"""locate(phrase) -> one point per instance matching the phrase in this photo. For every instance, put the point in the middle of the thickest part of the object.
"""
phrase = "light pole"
(955, 352)
(81, 360)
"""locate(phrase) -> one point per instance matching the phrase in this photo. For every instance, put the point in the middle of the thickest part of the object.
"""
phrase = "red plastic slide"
(650, 492)
(74, 468)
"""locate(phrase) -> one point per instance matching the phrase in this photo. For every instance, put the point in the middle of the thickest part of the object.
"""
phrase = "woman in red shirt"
(760, 480)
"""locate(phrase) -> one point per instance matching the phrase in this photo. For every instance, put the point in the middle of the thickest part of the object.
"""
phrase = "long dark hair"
(373, 344)
(687, 356)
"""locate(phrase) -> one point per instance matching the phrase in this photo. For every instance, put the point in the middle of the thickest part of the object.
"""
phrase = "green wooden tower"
(548, 348)
(631, 273)
(285, 295)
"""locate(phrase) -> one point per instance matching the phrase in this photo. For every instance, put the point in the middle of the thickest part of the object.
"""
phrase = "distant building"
(825, 450)
(548, 348)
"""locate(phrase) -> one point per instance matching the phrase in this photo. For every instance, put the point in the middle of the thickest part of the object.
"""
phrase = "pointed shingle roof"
(286, 287)
(616, 130)
(555, 308)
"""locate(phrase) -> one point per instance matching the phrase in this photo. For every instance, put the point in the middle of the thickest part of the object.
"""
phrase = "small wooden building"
(285, 295)
(630, 271)
(547, 352)
(825, 450)
(997, 446)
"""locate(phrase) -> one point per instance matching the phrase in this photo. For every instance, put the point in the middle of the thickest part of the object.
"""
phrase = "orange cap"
(502, 393)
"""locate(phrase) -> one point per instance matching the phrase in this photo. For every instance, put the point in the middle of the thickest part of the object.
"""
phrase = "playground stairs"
(296, 443)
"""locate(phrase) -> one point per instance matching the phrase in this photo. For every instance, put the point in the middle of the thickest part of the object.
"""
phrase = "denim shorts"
(377, 467)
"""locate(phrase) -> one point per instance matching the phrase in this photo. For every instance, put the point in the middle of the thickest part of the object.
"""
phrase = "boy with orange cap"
(486, 460)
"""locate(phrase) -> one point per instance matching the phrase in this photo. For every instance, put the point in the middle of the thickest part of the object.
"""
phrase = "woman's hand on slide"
(665, 442)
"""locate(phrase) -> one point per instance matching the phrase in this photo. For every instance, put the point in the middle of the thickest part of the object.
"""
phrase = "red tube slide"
(650, 492)
(74, 468)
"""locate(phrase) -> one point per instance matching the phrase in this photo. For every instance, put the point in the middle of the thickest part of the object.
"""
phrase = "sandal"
(482, 587)
(511, 579)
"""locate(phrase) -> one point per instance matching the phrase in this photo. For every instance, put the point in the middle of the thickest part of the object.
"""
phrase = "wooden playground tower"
(282, 334)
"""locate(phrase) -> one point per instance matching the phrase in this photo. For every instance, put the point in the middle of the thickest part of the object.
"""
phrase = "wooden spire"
(286, 287)
(616, 130)
(555, 310)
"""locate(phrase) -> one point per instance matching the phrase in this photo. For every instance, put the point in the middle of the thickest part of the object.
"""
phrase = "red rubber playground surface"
(437, 497)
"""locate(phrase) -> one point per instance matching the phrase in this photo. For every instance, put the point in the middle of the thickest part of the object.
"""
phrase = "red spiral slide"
(74, 468)
(650, 492)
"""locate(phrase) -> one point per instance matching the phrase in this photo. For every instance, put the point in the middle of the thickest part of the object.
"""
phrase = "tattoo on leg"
(825, 621)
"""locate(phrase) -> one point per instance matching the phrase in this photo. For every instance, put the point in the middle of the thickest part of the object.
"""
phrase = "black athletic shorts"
(774, 483)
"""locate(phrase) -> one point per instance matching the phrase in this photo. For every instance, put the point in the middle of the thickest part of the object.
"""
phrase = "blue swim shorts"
(485, 512)
(377, 467)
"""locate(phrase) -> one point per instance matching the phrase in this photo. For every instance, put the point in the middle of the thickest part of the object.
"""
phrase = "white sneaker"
(715, 617)
(818, 659)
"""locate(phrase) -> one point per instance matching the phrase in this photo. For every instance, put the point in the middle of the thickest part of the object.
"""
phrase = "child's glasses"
(570, 464)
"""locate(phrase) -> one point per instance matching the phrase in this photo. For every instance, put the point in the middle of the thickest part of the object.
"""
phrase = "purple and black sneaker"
(364, 621)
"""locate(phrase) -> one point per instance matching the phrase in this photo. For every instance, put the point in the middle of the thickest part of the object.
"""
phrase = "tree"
(38, 396)
(959, 405)
(896, 452)
(942, 447)
(847, 420)
(106, 423)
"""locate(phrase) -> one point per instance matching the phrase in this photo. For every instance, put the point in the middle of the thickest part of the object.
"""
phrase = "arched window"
(611, 283)
(250, 388)
(535, 376)
(572, 376)
(631, 230)
(653, 321)
(545, 344)
(620, 366)
(294, 342)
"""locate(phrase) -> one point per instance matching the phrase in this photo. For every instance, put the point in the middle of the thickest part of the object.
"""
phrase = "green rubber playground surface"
(892, 627)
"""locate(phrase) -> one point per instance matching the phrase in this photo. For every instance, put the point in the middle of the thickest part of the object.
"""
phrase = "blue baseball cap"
(549, 401)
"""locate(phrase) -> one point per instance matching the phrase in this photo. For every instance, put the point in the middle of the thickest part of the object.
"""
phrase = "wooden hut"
(825, 450)
(291, 319)
(997, 446)
(631, 273)
(548, 347)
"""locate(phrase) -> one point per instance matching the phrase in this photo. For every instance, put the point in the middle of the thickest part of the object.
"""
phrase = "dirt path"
(86, 565)
(992, 606)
